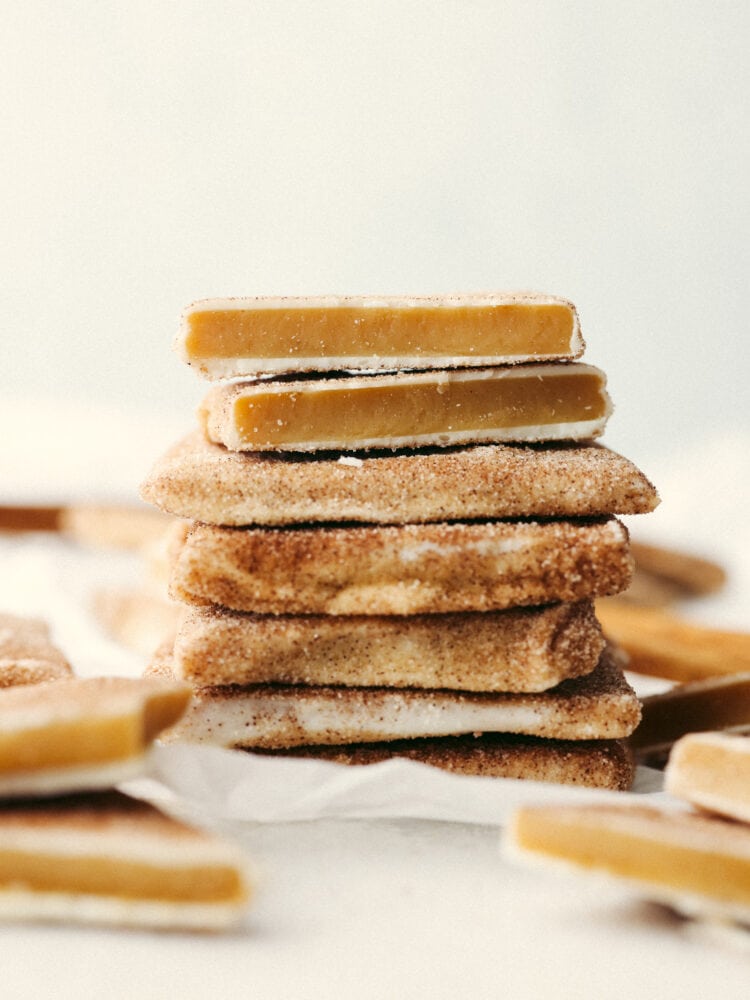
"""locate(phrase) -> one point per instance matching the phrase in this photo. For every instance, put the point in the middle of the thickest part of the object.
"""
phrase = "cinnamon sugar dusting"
(588, 763)
(405, 570)
(207, 482)
(517, 650)
(600, 705)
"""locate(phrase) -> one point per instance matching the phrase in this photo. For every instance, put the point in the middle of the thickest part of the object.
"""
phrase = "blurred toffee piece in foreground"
(106, 858)
(72, 848)
(82, 733)
(697, 862)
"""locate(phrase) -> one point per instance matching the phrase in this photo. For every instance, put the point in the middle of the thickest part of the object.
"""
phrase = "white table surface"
(368, 908)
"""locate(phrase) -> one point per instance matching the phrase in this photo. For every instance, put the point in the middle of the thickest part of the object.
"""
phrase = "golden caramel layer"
(673, 856)
(83, 721)
(107, 858)
(233, 337)
(114, 876)
(527, 403)
(64, 744)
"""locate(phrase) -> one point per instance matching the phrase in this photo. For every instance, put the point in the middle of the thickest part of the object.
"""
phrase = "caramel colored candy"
(526, 403)
(83, 732)
(239, 337)
(665, 645)
(105, 858)
(697, 864)
(712, 770)
(523, 649)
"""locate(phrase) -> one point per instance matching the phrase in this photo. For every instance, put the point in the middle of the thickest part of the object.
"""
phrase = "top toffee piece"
(245, 337)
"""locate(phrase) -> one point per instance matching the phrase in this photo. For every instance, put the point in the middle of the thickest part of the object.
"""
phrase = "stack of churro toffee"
(397, 524)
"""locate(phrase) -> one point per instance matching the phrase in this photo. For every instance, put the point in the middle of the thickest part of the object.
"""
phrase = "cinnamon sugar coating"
(600, 705)
(588, 763)
(406, 570)
(204, 481)
(523, 649)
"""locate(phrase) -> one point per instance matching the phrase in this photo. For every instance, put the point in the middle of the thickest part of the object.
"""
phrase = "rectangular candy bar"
(104, 858)
(204, 481)
(523, 649)
(408, 410)
(600, 705)
(399, 570)
(82, 733)
(697, 864)
(225, 338)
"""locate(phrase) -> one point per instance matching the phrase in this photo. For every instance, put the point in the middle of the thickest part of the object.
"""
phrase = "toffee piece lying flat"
(696, 864)
(600, 705)
(27, 653)
(523, 649)
(205, 481)
(408, 410)
(225, 338)
(712, 770)
(83, 733)
(405, 570)
(588, 763)
(105, 858)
